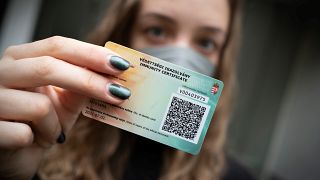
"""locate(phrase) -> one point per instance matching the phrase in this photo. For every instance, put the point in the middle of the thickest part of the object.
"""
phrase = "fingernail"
(61, 138)
(119, 91)
(119, 63)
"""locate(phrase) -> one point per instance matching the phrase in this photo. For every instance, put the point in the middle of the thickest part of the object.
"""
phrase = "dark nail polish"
(119, 91)
(61, 138)
(119, 63)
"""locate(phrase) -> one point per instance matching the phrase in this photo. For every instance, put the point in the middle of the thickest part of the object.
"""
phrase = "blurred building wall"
(71, 18)
(280, 48)
(271, 38)
(296, 141)
(19, 22)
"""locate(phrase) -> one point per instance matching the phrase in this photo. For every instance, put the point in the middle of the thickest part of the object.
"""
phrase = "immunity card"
(168, 103)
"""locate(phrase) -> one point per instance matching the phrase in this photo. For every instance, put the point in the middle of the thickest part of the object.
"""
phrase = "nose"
(182, 40)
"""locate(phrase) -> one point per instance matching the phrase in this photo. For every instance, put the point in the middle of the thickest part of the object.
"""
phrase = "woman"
(43, 72)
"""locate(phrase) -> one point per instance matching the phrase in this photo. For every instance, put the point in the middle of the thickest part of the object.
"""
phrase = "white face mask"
(185, 57)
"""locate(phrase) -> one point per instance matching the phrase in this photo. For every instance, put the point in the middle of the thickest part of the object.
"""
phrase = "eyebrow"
(214, 30)
(206, 28)
(161, 17)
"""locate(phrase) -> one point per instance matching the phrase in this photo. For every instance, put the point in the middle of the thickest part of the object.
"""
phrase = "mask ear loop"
(217, 73)
(220, 66)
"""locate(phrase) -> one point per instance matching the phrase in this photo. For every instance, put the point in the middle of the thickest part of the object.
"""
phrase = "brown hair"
(95, 151)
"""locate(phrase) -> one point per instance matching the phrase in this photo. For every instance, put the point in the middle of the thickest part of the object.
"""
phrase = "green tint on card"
(168, 103)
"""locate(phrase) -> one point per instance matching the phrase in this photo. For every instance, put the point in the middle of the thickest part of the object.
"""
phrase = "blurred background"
(275, 127)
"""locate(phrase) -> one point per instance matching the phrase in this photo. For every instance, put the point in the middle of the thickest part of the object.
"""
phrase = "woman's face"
(198, 24)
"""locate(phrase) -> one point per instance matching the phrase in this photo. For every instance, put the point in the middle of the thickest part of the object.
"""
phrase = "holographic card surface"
(168, 103)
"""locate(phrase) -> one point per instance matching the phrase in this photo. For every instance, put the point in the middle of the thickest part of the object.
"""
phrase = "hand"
(43, 87)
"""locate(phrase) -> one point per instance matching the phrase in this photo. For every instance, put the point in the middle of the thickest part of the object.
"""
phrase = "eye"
(156, 33)
(207, 45)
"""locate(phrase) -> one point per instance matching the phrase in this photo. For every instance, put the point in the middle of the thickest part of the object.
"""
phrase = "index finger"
(96, 58)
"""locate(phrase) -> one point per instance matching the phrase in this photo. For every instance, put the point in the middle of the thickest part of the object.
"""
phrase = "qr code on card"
(184, 118)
